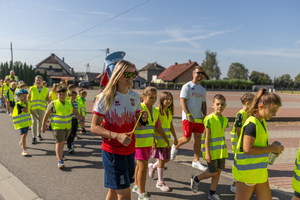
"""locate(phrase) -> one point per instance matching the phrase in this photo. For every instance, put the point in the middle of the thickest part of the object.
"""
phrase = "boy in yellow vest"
(21, 117)
(82, 100)
(214, 149)
(61, 122)
(5, 88)
(11, 96)
(240, 119)
(296, 177)
(38, 96)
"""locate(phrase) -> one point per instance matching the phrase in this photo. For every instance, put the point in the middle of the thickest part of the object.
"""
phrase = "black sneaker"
(33, 140)
(39, 137)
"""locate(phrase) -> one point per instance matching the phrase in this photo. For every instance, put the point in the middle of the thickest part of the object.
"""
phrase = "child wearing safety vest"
(296, 177)
(160, 150)
(21, 117)
(61, 122)
(82, 101)
(71, 88)
(5, 88)
(144, 139)
(252, 154)
(239, 121)
(214, 149)
(11, 96)
(38, 96)
(52, 94)
(77, 105)
(1, 95)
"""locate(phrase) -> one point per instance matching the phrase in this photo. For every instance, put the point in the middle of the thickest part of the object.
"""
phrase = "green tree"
(284, 81)
(260, 78)
(210, 65)
(45, 76)
(237, 71)
(297, 78)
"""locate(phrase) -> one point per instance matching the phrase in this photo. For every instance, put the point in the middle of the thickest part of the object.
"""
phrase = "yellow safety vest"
(62, 119)
(217, 144)
(23, 119)
(11, 95)
(5, 89)
(15, 77)
(53, 96)
(38, 99)
(166, 125)
(233, 134)
(248, 168)
(144, 137)
(0, 91)
(296, 175)
(67, 97)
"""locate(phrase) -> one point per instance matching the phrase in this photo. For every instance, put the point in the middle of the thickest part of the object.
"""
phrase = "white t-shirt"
(195, 95)
(119, 118)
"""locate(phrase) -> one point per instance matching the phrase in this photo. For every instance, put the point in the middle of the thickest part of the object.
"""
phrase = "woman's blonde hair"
(268, 99)
(109, 92)
(163, 97)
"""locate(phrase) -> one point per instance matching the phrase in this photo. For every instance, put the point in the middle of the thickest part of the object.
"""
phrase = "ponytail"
(265, 98)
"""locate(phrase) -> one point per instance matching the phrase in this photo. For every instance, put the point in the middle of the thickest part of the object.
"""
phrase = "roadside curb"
(12, 188)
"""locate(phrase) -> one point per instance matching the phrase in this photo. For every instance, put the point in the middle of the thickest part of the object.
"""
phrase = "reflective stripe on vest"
(249, 168)
(233, 134)
(296, 175)
(166, 125)
(23, 119)
(144, 137)
(217, 146)
(38, 99)
(62, 119)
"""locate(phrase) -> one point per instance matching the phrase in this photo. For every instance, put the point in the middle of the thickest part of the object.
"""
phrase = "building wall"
(143, 74)
(185, 76)
(151, 73)
(54, 68)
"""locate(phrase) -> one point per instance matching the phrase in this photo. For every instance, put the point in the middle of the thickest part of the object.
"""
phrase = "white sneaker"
(214, 197)
(135, 189)
(10, 114)
(173, 152)
(199, 166)
(143, 196)
(233, 189)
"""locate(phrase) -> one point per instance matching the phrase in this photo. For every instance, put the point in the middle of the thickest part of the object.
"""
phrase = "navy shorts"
(24, 130)
(118, 170)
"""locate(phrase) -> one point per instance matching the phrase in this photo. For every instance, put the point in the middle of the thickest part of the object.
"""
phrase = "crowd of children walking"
(133, 129)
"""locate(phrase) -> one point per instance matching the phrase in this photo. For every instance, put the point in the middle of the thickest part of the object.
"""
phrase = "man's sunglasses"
(200, 73)
(130, 74)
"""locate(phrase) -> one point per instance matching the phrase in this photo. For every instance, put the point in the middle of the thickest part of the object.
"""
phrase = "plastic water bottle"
(273, 156)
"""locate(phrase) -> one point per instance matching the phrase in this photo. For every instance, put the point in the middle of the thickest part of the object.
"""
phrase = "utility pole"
(88, 68)
(12, 59)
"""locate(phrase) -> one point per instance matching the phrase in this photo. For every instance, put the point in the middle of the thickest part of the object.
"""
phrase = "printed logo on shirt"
(198, 95)
(132, 102)
(122, 180)
(117, 103)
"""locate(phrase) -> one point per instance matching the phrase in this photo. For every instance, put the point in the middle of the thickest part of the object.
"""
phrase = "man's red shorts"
(189, 128)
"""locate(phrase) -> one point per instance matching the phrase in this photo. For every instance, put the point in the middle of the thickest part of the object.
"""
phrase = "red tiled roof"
(99, 76)
(175, 70)
(56, 60)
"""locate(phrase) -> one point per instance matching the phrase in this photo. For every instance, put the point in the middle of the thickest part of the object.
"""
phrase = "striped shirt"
(75, 105)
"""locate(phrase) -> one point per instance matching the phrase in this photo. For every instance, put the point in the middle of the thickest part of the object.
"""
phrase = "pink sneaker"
(162, 186)
(151, 170)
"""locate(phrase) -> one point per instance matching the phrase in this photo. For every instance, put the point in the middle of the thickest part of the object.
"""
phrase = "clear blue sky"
(262, 35)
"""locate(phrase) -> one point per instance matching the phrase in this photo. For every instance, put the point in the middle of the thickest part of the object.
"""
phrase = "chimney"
(63, 59)
(176, 63)
(189, 62)
(52, 54)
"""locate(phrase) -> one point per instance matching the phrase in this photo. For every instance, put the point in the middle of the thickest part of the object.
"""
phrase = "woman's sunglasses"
(130, 74)
(200, 73)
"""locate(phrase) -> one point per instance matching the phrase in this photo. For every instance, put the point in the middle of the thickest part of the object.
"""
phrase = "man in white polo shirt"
(193, 104)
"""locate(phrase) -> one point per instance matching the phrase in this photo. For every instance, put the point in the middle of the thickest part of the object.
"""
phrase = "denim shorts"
(118, 170)
(24, 130)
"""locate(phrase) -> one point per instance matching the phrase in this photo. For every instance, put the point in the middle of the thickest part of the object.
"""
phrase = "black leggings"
(73, 132)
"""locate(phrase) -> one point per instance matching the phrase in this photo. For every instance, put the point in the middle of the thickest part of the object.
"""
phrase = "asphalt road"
(82, 178)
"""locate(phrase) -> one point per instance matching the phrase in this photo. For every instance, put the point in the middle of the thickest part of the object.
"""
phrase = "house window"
(50, 67)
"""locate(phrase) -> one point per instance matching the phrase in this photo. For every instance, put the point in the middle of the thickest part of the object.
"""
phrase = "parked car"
(85, 84)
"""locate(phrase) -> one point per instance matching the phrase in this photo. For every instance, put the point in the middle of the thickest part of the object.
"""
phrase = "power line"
(95, 25)
(53, 50)
(88, 59)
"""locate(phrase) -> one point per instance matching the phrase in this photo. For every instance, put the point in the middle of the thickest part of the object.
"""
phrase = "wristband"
(189, 114)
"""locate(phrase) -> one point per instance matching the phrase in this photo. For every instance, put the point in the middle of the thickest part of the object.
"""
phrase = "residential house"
(151, 71)
(57, 70)
(179, 73)
(92, 77)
